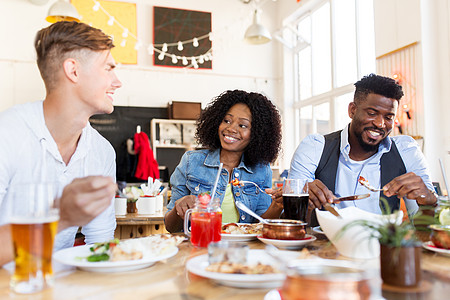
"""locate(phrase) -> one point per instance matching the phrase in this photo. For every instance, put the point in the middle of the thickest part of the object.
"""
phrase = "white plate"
(198, 264)
(430, 246)
(238, 237)
(71, 257)
(288, 244)
(318, 230)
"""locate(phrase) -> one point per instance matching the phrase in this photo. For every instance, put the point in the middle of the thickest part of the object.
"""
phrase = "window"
(340, 50)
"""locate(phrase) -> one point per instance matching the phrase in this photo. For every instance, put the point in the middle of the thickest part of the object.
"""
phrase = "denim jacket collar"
(213, 160)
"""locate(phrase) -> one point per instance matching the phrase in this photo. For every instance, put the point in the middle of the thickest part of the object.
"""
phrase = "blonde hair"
(61, 40)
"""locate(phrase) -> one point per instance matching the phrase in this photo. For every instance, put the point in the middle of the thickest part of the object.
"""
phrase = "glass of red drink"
(205, 223)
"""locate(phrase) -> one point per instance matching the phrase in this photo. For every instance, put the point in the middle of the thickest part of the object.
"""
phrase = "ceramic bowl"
(440, 236)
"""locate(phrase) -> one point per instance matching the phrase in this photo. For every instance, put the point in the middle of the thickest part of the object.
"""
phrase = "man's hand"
(84, 199)
(183, 204)
(319, 194)
(411, 186)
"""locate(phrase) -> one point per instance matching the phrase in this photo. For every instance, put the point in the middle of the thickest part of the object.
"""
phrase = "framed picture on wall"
(181, 38)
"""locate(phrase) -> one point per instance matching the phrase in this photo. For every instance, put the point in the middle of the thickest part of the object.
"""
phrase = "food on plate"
(133, 249)
(236, 228)
(235, 268)
(444, 216)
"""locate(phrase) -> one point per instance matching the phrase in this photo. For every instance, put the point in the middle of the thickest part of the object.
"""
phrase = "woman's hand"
(277, 196)
(276, 207)
(183, 204)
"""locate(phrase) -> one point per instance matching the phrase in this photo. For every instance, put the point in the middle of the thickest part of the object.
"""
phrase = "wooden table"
(137, 225)
(169, 280)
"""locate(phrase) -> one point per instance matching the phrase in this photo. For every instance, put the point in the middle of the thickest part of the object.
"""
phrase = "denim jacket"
(197, 172)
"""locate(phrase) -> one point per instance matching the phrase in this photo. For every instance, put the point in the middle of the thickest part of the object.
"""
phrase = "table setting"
(274, 259)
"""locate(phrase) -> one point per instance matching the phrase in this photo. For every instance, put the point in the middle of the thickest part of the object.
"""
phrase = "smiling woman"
(234, 128)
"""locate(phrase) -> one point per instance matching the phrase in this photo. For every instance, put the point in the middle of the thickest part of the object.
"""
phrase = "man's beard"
(366, 147)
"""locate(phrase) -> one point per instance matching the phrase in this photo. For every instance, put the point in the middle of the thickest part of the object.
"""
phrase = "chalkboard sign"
(121, 125)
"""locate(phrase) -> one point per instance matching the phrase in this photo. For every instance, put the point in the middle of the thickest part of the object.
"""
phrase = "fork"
(242, 182)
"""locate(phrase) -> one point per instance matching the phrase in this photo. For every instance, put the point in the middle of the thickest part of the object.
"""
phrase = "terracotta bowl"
(440, 236)
(280, 229)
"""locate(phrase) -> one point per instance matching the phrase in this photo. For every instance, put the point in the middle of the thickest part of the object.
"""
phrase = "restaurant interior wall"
(401, 23)
(398, 23)
(236, 64)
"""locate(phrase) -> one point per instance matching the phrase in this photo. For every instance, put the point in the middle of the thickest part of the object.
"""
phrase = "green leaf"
(98, 257)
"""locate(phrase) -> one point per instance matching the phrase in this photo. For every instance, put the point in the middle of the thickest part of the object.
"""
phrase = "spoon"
(243, 207)
(366, 184)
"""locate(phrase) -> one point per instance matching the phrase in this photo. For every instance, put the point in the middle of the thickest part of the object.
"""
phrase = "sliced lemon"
(444, 216)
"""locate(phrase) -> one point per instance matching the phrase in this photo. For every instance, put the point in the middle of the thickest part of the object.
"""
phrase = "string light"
(96, 6)
(111, 21)
(152, 48)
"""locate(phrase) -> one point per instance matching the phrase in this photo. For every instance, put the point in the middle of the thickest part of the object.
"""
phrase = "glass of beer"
(295, 199)
(34, 221)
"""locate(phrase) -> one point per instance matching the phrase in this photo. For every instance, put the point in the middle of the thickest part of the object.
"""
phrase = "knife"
(349, 198)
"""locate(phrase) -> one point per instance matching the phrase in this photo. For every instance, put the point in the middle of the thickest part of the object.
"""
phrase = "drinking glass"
(205, 223)
(34, 221)
(295, 199)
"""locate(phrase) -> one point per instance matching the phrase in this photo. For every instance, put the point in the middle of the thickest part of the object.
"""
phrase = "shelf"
(172, 146)
(172, 134)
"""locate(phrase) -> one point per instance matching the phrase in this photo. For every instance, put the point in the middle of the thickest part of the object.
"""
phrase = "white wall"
(236, 64)
(401, 22)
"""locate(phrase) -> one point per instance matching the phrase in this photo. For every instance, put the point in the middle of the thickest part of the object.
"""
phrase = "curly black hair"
(380, 85)
(265, 137)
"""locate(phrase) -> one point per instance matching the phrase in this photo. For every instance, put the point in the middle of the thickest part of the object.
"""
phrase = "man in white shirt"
(52, 140)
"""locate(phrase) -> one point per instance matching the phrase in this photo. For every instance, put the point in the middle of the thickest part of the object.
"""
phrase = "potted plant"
(400, 249)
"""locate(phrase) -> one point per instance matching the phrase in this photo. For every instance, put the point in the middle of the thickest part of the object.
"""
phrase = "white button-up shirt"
(28, 153)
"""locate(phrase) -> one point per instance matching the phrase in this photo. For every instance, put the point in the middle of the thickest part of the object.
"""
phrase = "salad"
(102, 251)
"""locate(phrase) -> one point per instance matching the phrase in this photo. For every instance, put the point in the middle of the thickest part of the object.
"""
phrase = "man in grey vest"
(334, 162)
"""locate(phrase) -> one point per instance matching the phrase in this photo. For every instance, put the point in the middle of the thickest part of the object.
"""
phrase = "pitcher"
(206, 223)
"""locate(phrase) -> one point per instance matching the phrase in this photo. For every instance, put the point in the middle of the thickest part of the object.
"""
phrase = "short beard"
(366, 147)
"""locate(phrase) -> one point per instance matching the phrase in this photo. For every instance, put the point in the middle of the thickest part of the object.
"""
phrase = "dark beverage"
(295, 206)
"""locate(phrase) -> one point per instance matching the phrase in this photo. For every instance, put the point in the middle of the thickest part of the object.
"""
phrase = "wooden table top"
(169, 280)
(139, 219)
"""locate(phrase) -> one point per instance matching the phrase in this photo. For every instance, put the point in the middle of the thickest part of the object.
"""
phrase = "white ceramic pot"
(120, 206)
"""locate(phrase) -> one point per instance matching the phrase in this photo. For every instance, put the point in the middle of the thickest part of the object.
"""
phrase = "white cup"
(159, 203)
(120, 206)
(146, 205)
